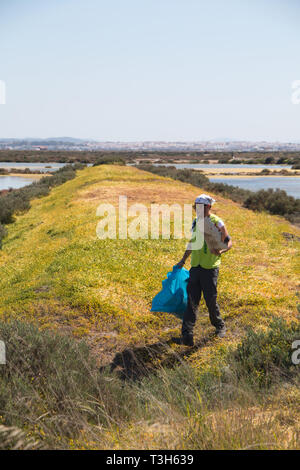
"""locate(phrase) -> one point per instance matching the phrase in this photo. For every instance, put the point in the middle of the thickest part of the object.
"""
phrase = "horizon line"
(216, 140)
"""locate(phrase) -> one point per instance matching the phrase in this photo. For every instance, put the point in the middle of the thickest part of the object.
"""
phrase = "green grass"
(52, 395)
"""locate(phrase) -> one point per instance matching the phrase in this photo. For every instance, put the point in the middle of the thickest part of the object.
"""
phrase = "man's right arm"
(184, 258)
(188, 251)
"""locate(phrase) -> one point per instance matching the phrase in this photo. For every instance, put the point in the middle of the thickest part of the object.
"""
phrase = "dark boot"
(187, 340)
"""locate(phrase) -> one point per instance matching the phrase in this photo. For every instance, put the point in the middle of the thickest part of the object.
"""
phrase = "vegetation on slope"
(273, 201)
(53, 391)
(18, 200)
(57, 274)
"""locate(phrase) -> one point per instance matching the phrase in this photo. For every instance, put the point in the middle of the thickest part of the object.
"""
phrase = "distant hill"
(217, 145)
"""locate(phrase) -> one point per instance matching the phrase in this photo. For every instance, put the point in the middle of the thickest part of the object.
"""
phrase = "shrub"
(51, 386)
(274, 201)
(52, 389)
(110, 160)
(282, 161)
(41, 360)
(12, 438)
(44, 373)
(232, 192)
(188, 176)
(264, 357)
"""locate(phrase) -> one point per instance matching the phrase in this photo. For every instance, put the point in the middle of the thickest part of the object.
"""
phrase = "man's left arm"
(226, 239)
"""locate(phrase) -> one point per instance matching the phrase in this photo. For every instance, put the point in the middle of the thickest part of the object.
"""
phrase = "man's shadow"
(136, 363)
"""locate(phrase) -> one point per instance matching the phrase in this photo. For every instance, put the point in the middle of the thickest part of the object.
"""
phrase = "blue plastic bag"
(173, 296)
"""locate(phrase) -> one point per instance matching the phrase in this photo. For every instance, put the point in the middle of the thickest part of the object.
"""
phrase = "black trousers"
(202, 280)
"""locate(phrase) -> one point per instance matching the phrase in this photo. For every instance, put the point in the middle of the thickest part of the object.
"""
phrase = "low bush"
(231, 192)
(273, 201)
(52, 390)
(12, 438)
(264, 357)
(110, 160)
(45, 373)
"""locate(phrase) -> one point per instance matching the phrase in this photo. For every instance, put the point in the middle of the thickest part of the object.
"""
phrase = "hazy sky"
(150, 69)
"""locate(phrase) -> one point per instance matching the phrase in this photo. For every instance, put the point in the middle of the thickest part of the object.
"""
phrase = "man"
(204, 275)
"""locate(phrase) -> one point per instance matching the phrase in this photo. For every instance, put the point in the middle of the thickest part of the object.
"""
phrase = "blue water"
(222, 165)
(33, 166)
(14, 182)
(290, 184)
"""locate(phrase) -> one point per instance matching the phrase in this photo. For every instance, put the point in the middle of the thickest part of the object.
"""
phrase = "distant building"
(39, 147)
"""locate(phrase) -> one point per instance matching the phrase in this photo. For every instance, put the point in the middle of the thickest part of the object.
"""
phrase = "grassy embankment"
(57, 273)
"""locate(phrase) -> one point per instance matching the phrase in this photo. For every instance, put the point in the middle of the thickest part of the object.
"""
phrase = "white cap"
(204, 199)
